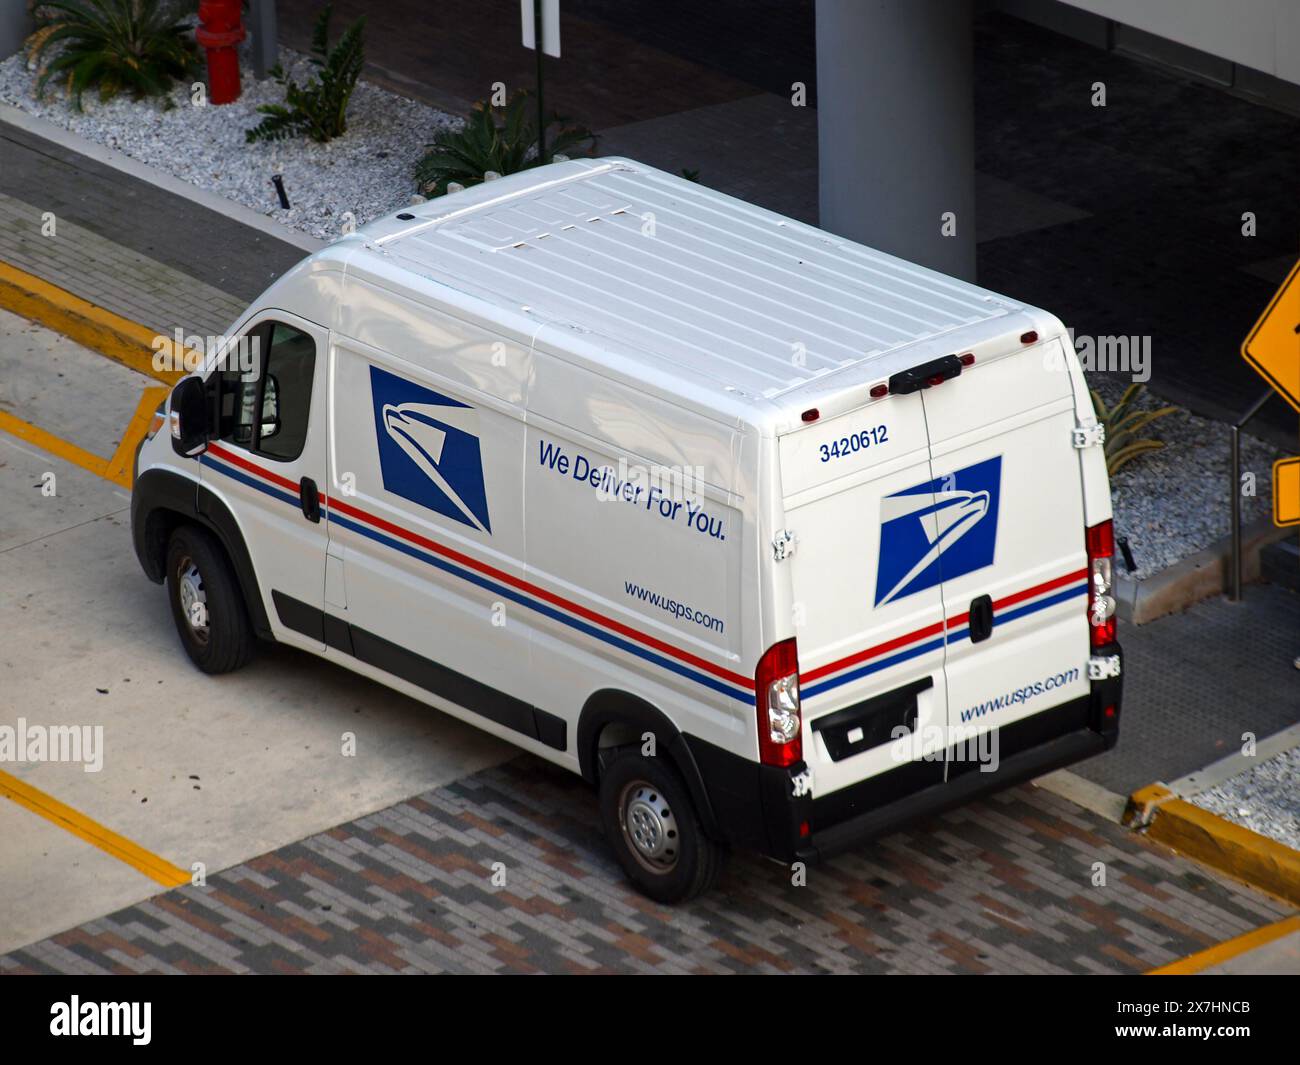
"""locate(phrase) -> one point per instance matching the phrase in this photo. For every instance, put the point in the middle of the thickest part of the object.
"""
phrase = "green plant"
(689, 174)
(318, 109)
(1123, 421)
(500, 140)
(113, 46)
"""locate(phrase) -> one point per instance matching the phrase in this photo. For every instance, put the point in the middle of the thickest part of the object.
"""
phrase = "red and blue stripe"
(933, 637)
(475, 571)
(621, 636)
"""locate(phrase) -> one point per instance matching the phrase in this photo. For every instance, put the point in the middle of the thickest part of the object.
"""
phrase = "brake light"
(780, 726)
(1101, 601)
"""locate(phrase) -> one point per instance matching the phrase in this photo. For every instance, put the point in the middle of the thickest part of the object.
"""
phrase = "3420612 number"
(851, 445)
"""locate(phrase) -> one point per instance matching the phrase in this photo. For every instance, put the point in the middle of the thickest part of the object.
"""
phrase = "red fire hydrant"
(219, 32)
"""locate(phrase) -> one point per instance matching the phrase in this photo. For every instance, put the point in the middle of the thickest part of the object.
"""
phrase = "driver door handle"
(309, 499)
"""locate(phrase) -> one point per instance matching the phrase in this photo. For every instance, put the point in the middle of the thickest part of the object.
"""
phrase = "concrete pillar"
(15, 25)
(896, 128)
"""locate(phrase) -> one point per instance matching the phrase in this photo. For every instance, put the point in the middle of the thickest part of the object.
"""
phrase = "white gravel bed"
(369, 171)
(1265, 799)
(1174, 502)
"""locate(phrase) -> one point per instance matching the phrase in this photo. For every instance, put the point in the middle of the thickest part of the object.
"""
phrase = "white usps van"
(777, 540)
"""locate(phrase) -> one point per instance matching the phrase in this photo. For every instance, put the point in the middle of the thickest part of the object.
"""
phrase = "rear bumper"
(1072, 746)
(756, 806)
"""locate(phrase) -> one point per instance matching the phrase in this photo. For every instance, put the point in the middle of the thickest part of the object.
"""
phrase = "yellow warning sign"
(1273, 347)
(1286, 492)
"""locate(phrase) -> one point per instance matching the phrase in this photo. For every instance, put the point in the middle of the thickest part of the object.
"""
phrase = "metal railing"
(1234, 577)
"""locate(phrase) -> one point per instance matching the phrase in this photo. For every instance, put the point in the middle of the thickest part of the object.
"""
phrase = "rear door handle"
(309, 499)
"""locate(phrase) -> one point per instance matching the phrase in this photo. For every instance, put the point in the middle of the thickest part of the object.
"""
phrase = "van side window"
(278, 385)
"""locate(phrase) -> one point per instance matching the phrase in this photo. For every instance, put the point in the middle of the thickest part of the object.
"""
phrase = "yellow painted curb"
(1221, 952)
(1142, 804)
(92, 832)
(1244, 855)
(88, 324)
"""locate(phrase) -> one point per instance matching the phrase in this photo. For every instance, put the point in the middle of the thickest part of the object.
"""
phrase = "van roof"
(702, 287)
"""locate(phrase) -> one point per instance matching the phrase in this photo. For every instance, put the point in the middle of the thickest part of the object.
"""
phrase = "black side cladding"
(482, 699)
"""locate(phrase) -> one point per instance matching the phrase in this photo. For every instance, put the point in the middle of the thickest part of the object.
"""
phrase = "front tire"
(652, 826)
(207, 605)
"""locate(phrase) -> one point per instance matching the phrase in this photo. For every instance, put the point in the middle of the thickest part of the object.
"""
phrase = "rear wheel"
(207, 606)
(654, 830)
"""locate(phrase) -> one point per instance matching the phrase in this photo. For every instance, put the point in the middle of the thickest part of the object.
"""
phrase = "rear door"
(867, 600)
(1009, 503)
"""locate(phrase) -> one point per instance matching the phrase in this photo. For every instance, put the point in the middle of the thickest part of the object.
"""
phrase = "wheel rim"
(194, 599)
(649, 826)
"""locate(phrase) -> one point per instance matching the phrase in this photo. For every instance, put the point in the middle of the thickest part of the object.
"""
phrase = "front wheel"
(656, 834)
(207, 605)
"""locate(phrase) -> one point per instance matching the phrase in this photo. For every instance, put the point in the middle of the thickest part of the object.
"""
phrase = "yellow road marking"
(87, 323)
(102, 331)
(119, 466)
(92, 832)
(1231, 948)
(55, 445)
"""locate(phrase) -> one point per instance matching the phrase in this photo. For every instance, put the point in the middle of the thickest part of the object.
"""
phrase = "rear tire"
(653, 828)
(207, 605)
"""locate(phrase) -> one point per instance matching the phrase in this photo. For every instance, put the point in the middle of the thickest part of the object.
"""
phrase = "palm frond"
(318, 109)
(501, 139)
(138, 47)
(1122, 422)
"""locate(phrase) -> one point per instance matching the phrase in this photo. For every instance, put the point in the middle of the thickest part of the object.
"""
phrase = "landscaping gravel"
(367, 172)
(1174, 502)
(1265, 799)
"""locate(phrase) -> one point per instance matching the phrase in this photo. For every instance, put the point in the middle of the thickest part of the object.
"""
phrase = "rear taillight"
(780, 727)
(1101, 599)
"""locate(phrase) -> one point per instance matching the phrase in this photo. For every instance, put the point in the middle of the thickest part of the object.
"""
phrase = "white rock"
(368, 171)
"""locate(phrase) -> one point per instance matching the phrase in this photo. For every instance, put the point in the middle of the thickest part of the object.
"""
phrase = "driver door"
(266, 460)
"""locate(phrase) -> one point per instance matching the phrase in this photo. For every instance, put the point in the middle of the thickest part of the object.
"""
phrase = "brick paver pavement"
(1004, 885)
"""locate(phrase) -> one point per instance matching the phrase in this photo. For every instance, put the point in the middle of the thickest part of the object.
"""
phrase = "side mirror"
(189, 418)
(270, 408)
